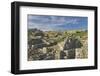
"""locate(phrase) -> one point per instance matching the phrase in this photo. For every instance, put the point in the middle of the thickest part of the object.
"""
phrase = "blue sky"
(57, 23)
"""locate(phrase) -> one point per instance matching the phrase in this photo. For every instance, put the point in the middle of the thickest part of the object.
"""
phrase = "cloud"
(54, 22)
(52, 19)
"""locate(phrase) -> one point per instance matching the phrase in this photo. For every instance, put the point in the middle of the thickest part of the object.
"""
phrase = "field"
(55, 45)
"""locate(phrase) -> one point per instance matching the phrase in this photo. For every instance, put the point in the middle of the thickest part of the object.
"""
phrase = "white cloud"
(52, 22)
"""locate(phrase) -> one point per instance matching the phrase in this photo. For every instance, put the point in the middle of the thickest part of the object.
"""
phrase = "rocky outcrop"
(51, 45)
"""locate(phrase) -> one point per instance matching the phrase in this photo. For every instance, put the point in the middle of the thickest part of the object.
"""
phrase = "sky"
(57, 23)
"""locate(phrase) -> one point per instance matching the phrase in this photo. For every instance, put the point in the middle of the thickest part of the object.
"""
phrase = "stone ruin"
(71, 43)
